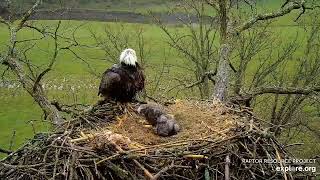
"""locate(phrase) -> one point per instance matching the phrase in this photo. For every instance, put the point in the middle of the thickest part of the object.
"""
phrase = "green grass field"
(72, 82)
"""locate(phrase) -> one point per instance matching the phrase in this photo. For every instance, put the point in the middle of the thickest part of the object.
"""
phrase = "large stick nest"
(214, 140)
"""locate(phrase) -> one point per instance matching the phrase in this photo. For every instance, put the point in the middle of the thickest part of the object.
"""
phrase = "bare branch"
(27, 15)
(208, 75)
(3, 21)
(260, 17)
(213, 4)
(5, 151)
(285, 3)
(53, 60)
(288, 90)
(13, 61)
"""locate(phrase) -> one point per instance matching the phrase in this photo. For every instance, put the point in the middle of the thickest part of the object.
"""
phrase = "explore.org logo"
(296, 169)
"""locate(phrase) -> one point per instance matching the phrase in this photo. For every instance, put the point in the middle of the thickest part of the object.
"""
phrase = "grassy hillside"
(138, 6)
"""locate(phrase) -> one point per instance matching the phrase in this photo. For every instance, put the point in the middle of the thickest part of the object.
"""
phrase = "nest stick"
(146, 172)
(227, 169)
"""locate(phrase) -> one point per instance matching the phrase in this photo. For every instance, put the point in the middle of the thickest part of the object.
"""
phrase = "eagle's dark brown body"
(122, 82)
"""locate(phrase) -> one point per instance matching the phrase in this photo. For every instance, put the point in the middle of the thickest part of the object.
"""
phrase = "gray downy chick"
(167, 126)
(151, 112)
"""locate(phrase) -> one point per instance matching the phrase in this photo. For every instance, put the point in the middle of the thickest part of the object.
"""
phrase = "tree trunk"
(204, 89)
(222, 81)
(36, 91)
(33, 87)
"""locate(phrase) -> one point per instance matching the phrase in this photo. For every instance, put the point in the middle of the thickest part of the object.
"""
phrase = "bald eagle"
(122, 81)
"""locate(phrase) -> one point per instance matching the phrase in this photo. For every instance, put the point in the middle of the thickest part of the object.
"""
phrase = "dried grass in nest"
(212, 134)
(197, 120)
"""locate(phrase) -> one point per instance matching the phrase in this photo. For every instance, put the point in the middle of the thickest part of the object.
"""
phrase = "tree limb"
(53, 60)
(208, 75)
(3, 21)
(260, 17)
(13, 61)
(247, 97)
(27, 15)
(282, 90)
(5, 151)
(213, 4)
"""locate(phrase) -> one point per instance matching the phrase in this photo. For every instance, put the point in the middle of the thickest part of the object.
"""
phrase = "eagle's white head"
(128, 57)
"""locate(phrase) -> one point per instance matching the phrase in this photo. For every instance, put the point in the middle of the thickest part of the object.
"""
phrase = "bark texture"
(36, 91)
(222, 79)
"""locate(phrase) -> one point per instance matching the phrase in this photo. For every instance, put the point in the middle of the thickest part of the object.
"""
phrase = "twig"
(294, 144)
(227, 169)
(157, 176)
(146, 172)
(27, 15)
(12, 140)
(5, 151)
(280, 161)
(260, 17)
